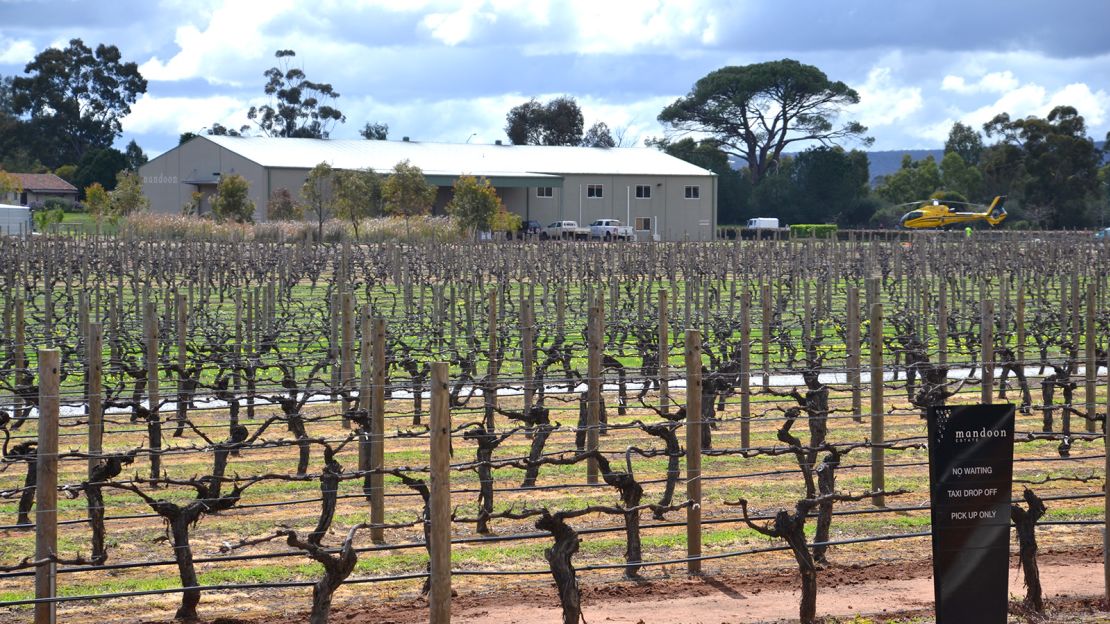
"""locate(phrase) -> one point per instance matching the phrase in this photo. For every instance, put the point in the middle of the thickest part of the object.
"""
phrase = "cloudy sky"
(439, 70)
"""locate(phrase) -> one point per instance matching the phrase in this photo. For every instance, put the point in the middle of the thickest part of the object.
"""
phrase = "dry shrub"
(380, 229)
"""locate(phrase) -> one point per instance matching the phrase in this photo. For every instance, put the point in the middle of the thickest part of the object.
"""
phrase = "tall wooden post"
(693, 450)
(439, 501)
(335, 302)
(593, 387)
(251, 346)
(528, 349)
(1019, 321)
(238, 340)
(855, 359)
(154, 422)
(46, 488)
(347, 359)
(746, 369)
(489, 396)
(942, 322)
(986, 334)
(878, 476)
(94, 372)
(1106, 499)
(1091, 364)
(364, 393)
(664, 354)
(181, 325)
(377, 434)
(765, 334)
(19, 359)
(9, 309)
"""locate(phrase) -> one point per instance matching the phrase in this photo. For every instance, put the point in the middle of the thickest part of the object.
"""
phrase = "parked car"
(529, 228)
(1103, 233)
(611, 229)
(761, 223)
(564, 230)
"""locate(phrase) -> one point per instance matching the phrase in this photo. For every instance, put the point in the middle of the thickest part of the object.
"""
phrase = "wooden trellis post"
(593, 387)
(1091, 365)
(439, 501)
(181, 324)
(335, 301)
(377, 433)
(1106, 500)
(693, 450)
(745, 369)
(855, 359)
(347, 360)
(94, 367)
(942, 323)
(19, 359)
(986, 339)
(489, 396)
(664, 354)
(765, 334)
(527, 348)
(878, 476)
(154, 422)
(46, 488)
(364, 390)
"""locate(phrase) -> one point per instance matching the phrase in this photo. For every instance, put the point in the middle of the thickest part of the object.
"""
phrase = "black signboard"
(971, 455)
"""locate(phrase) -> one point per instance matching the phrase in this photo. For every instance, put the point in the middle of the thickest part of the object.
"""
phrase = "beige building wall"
(170, 179)
(672, 215)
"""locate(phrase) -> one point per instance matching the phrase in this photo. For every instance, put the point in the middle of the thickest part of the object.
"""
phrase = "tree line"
(762, 115)
(771, 131)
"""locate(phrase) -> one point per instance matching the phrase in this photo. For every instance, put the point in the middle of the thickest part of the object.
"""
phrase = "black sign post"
(971, 455)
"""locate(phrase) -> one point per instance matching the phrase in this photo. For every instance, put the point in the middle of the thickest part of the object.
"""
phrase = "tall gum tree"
(756, 111)
(299, 107)
(74, 99)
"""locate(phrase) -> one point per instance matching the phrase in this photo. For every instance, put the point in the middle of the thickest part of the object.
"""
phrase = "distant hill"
(887, 162)
(882, 163)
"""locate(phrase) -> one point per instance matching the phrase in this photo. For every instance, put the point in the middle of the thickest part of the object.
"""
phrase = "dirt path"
(724, 602)
(727, 604)
(1072, 582)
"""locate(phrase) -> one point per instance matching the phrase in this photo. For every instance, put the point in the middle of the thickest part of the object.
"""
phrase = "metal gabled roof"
(453, 159)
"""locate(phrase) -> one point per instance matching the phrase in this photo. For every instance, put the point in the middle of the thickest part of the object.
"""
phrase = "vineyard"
(198, 429)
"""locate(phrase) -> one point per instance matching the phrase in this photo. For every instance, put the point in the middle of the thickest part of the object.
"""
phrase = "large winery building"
(656, 193)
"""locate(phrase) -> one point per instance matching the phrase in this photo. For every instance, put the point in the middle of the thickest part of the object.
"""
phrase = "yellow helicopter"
(940, 215)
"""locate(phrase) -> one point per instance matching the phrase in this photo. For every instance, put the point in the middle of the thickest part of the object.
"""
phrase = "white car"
(611, 229)
(564, 230)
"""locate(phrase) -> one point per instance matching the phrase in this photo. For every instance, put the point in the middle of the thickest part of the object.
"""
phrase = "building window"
(594, 190)
(643, 191)
(643, 224)
(693, 192)
(544, 191)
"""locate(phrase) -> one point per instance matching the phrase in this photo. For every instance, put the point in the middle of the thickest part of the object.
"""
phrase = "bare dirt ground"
(880, 592)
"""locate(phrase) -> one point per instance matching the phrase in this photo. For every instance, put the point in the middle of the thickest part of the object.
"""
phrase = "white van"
(763, 223)
(15, 220)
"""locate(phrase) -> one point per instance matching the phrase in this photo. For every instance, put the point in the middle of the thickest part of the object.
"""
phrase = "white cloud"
(629, 26)
(233, 35)
(457, 26)
(16, 51)
(884, 103)
(1026, 100)
(454, 120)
(636, 120)
(174, 115)
(994, 82)
(1094, 106)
